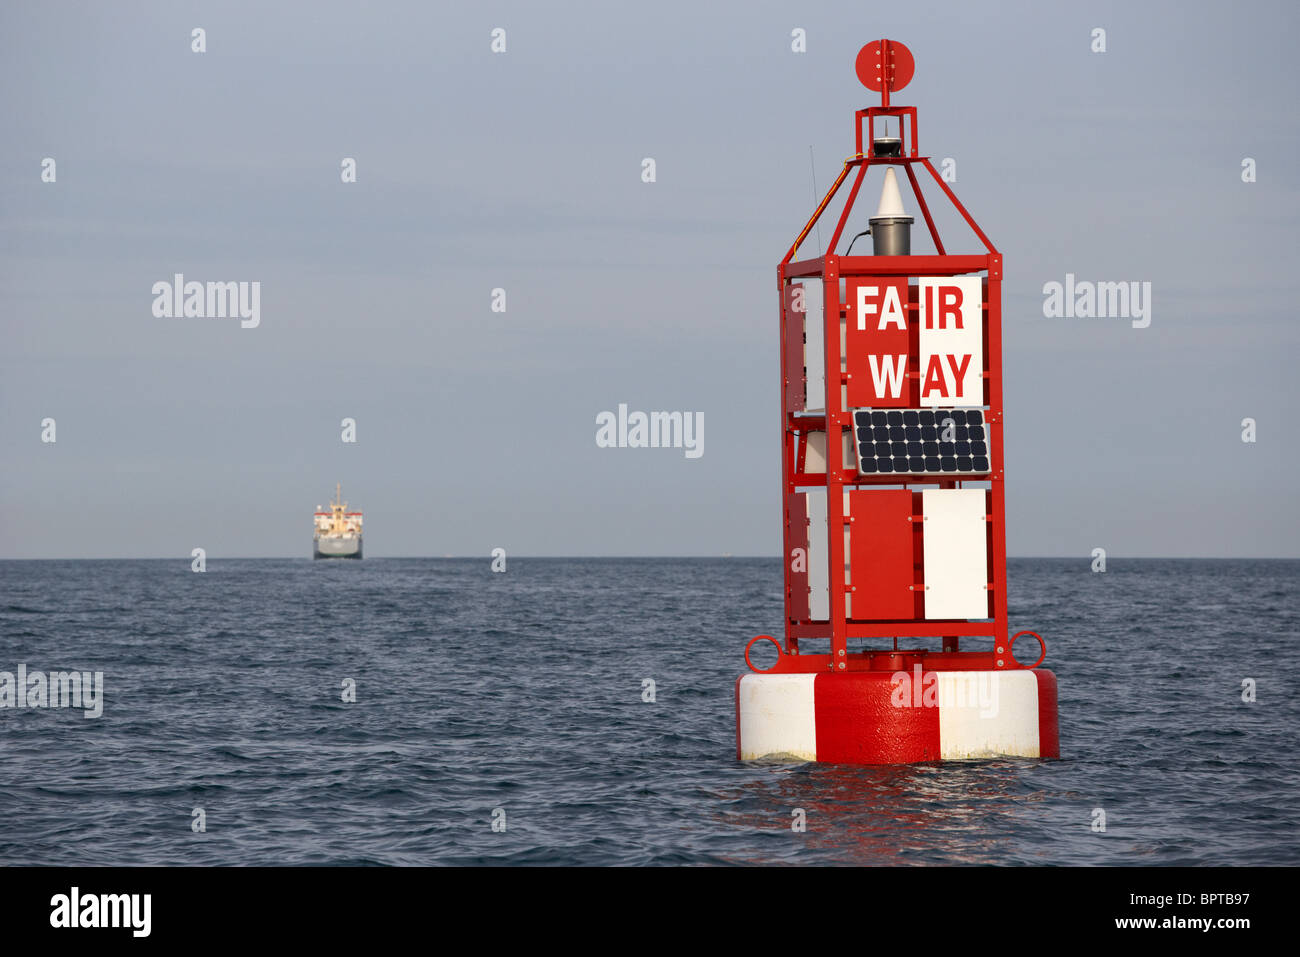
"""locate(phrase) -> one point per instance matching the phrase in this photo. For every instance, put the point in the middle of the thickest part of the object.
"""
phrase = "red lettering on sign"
(949, 305)
(958, 374)
(934, 378)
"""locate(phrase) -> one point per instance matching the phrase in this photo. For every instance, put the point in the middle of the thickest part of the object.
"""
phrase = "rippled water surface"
(523, 691)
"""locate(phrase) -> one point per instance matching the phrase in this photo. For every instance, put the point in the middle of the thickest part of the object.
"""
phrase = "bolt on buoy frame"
(798, 422)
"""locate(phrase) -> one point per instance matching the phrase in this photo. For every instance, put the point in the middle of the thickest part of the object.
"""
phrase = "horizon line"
(488, 557)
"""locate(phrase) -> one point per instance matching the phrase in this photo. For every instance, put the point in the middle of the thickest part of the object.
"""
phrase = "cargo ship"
(338, 531)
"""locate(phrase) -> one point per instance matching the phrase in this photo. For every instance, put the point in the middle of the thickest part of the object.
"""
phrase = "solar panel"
(921, 441)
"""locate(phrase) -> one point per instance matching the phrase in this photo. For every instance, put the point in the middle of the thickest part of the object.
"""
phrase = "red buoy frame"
(876, 533)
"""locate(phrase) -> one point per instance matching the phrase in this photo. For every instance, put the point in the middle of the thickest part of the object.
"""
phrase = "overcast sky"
(522, 171)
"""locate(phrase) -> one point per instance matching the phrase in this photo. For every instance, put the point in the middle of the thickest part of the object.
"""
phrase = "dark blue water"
(523, 691)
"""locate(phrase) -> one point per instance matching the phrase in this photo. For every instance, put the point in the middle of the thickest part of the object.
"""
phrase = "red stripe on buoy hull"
(858, 723)
(1049, 726)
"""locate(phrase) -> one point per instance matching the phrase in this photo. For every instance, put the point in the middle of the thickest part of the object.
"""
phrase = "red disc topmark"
(876, 71)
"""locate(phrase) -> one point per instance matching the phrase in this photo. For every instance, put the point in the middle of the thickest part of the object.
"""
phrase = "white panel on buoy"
(951, 313)
(815, 347)
(819, 599)
(815, 457)
(819, 596)
(955, 542)
(777, 717)
(984, 714)
(814, 359)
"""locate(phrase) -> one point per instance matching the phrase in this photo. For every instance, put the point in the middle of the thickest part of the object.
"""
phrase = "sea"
(581, 712)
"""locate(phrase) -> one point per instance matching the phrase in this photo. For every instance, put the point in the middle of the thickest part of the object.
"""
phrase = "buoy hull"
(880, 717)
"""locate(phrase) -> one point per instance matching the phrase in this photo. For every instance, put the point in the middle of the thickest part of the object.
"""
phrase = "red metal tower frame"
(890, 69)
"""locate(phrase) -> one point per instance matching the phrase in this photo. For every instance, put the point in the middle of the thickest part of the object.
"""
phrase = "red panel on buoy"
(876, 340)
(881, 547)
(858, 723)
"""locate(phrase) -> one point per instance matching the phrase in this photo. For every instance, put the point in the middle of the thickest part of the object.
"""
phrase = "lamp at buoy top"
(893, 485)
(891, 227)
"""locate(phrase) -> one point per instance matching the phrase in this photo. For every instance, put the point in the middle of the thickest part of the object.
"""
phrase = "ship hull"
(336, 548)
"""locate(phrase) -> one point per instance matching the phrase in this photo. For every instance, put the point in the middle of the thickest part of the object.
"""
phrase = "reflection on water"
(894, 814)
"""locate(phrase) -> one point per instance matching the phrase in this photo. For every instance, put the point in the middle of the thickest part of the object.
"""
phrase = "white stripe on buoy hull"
(776, 716)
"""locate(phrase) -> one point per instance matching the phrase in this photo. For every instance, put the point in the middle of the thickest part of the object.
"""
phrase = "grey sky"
(522, 171)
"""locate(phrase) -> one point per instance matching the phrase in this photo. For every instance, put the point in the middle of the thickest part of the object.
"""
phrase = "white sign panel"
(954, 537)
(951, 340)
(819, 592)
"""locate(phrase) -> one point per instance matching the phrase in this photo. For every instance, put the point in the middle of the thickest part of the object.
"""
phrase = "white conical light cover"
(891, 203)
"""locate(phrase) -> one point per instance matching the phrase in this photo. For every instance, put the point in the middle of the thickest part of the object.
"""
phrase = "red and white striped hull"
(879, 717)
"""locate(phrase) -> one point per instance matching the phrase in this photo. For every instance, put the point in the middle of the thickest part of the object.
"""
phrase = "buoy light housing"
(891, 228)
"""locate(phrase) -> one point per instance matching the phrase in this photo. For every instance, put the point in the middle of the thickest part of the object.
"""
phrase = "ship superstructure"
(338, 531)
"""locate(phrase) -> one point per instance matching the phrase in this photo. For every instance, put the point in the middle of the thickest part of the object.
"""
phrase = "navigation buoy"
(897, 531)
